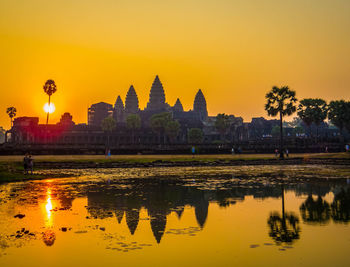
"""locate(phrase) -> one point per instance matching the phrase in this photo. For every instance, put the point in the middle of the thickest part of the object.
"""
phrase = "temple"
(69, 137)
(200, 105)
(156, 104)
(157, 97)
(118, 112)
(97, 112)
(131, 101)
(178, 106)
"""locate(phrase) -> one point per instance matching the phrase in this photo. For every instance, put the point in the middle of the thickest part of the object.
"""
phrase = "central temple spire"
(156, 96)
(200, 105)
(131, 101)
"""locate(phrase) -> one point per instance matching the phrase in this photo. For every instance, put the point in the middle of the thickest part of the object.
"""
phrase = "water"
(251, 216)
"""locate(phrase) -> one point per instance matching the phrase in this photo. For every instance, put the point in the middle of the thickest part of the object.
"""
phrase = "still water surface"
(251, 216)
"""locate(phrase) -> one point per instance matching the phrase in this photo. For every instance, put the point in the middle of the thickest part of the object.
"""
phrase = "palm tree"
(320, 112)
(133, 122)
(313, 110)
(280, 101)
(339, 114)
(172, 129)
(108, 125)
(285, 228)
(11, 111)
(49, 88)
(305, 112)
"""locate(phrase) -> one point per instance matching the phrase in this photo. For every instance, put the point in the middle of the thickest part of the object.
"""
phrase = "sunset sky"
(234, 50)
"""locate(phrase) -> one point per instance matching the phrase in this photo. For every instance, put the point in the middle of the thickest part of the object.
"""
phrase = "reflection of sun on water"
(48, 208)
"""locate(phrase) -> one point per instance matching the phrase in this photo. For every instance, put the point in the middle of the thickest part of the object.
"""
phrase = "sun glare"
(49, 109)
(48, 208)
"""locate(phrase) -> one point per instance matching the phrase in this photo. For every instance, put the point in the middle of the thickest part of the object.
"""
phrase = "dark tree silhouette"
(195, 136)
(11, 111)
(280, 101)
(158, 123)
(222, 124)
(108, 125)
(285, 228)
(313, 110)
(347, 119)
(340, 206)
(133, 123)
(315, 212)
(275, 131)
(172, 129)
(305, 111)
(2, 135)
(298, 130)
(339, 113)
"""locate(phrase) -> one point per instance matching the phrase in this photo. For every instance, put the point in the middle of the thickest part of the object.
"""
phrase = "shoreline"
(11, 169)
(110, 164)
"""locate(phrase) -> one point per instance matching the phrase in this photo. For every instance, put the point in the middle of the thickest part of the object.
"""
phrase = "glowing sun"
(49, 109)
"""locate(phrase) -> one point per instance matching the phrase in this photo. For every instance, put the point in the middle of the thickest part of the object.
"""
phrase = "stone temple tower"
(156, 96)
(178, 106)
(131, 101)
(200, 105)
(118, 111)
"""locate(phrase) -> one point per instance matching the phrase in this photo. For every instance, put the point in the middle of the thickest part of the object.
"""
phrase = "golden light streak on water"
(48, 207)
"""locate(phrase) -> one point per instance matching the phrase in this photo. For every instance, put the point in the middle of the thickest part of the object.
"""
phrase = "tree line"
(283, 102)
(162, 124)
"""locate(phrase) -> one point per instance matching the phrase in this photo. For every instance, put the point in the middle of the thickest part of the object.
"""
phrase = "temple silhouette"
(66, 136)
(159, 198)
(156, 104)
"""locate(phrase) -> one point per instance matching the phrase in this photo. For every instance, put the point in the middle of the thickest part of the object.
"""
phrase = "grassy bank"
(172, 158)
(12, 171)
(11, 167)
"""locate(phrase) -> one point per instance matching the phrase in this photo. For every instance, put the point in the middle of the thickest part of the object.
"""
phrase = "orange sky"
(234, 50)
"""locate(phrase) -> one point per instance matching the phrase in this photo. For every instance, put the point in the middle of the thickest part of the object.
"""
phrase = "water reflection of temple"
(161, 196)
(158, 198)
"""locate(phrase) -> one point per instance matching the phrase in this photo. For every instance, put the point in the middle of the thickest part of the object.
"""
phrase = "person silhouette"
(30, 164)
(25, 163)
